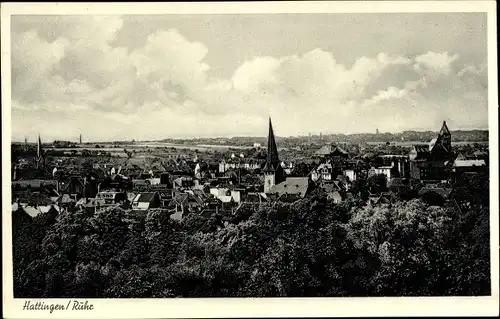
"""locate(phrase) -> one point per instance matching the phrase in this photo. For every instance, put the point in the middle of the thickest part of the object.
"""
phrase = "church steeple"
(445, 137)
(273, 172)
(444, 129)
(39, 153)
(272, 151)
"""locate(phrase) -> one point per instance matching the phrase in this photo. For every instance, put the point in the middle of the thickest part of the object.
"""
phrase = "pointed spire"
(39, 152)
(39, 147)
(272, 150)
(444, 129)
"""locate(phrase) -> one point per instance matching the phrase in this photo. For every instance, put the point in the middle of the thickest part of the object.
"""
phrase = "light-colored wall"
(269, 182)
(351, 174)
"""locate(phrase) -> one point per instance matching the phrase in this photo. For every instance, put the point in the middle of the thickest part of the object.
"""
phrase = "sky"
(148, 77)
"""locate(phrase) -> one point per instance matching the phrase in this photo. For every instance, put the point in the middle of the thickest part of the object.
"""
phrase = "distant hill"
(407, 136)
(414, 136)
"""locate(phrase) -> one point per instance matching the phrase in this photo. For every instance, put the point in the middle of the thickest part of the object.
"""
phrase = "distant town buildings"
(180, 182)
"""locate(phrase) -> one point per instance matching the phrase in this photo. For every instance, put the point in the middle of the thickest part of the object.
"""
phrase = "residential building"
(329, 151)
(464, 166)
(112, 197)
(323, 172)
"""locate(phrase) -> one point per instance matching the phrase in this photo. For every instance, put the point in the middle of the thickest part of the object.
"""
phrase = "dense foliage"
(312, 247)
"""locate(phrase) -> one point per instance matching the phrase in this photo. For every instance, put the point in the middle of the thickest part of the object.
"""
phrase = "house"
(322, 172)
(463, 166)
(226, 195)
(111, 197)
(183, 182)
(384, 170)
(185, 202)
(331, 151)
(34, 211)
(145, 201)
(37, 198)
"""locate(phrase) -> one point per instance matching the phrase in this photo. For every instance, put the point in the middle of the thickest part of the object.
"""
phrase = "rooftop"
(469, 163)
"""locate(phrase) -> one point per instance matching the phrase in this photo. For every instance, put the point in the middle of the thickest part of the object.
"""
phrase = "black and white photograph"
(168, 155)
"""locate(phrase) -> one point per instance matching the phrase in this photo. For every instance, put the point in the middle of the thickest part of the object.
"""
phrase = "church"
(428, 162)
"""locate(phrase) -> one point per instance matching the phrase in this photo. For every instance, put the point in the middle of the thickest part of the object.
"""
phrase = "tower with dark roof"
(273, 172)
(39, 153)
(444, 137)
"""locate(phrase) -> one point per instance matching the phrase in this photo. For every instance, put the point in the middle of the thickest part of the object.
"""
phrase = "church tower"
(273, 172)
(40, 160)
(445, 137)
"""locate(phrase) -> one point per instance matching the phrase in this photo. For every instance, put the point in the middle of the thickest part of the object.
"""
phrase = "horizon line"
(256, 136)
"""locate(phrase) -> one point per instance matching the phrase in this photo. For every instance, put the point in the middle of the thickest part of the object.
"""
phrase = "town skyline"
(186, 76)
(76, 138)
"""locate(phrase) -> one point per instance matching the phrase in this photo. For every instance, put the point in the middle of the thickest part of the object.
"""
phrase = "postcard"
(250, 159)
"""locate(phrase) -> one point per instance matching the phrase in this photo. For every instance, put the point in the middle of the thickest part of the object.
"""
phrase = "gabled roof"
(324, 165)
(35, 199)
(180, 198)
(419, 151)
(291, 186)
(131, 196)
(329, 150)
(65, 199)
(144, 197)
(34, 211)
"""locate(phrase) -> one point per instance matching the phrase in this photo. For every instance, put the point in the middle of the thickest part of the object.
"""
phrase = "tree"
(408, 241)
(377, 183)
(360, 189)
(433, 198)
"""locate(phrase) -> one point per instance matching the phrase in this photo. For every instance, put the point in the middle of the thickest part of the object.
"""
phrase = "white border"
(274, 307)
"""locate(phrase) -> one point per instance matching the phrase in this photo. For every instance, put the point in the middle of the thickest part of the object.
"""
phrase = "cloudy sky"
(151, 77)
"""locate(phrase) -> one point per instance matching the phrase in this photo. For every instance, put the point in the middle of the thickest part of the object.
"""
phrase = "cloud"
(75, 79)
